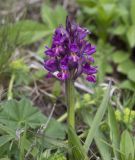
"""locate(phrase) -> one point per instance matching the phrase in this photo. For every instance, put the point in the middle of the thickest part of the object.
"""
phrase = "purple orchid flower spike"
(70, 54)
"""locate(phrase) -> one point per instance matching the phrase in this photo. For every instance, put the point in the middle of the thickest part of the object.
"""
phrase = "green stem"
(22, 143)
(70, 102)
(10, 94)
(62, 118)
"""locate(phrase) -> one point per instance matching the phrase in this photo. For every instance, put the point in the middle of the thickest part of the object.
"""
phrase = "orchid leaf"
(98, 117)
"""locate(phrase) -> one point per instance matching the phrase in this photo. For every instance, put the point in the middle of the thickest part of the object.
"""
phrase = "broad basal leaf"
(28, 31)
(126, 66)
(53, 17)
(127, 146)
(127, 85)
(4, 139)
(132, 11)
(21, 113)
(88, 3)
(131, 75)
(120, 56)
(131, 35)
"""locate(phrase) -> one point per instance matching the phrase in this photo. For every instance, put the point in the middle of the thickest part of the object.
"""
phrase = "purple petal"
(83, 32)
(91, 78)
(49, 52)
(91, 59)
(74, 47)
(51, 65)
(58, 50)
(60, 36)
(89, 49)
(64, 63)
(62, 75)
(89, 69)
(92, 50)
(73, 58)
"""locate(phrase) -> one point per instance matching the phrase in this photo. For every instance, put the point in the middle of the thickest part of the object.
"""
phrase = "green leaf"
(47, 15)
(27, 145)
(119, 30)
(120, 56)
(98, 117)
(102, 63)
(27, 31)
(57, 156)
(126, 66)
(21, 113)
(31, 31)
(101, 143)
(7, 130)
(106, 12)
(91, 12)
(56, 89)
(99, 139)
(127, 85)
(103, 56)
(114, 132)
(55, 130)
(76, 149)
(52, 17)
(126, 146)
(131, 75)
(107, 1)
(59, 20)
(8, 43)
(50, 142)
(131, 35)
(123, 12)
(87, 3)
(109, 69)
(134, 143)
(132, 11)
(4, 139)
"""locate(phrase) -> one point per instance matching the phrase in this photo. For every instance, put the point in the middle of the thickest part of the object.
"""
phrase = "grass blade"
(102, 147)
(100, 139)
(98, 117)
(114, 132)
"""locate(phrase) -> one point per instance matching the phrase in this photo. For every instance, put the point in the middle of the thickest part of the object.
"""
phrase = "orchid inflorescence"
(70, 54)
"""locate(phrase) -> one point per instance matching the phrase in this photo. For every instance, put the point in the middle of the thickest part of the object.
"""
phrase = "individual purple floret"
(70, 54)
